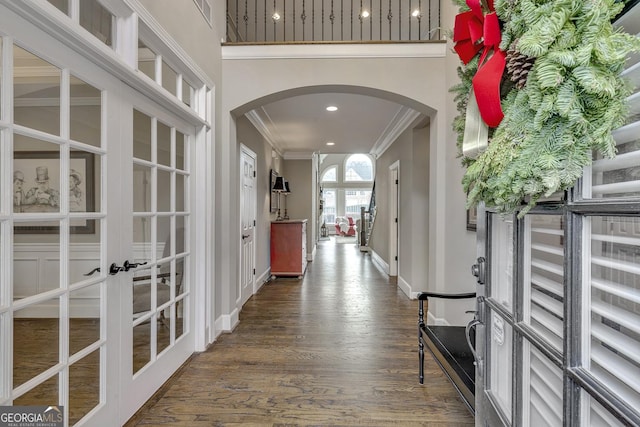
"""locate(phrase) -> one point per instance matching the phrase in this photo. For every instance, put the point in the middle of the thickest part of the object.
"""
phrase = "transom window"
(358, 167)
(330, 175)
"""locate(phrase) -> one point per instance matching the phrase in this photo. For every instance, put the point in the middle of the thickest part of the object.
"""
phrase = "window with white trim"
(330, 175)
(358, 167)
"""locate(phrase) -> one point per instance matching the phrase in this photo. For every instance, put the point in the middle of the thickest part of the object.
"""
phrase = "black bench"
(449, 347)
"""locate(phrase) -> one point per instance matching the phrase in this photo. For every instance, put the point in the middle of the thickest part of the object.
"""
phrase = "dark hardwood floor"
(337, 348)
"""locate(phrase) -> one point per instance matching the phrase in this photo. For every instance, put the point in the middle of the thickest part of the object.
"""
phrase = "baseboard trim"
(406, 287)
(379, 262)
(439, 321)
(228, 322)
(312, 254)
(261, 280)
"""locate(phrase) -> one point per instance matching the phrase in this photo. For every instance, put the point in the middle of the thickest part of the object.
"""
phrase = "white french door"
(95, 296)
(157, 332)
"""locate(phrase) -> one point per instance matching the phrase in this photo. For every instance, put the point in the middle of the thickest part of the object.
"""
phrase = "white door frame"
(394, 218)
(245, 292)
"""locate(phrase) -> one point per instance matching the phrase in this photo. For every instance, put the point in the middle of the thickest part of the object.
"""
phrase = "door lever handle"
(129, 265)
(97, 269)
(115, 269)
(246, 236)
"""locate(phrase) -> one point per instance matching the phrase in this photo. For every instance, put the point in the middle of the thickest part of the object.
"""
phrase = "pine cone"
(518, 66)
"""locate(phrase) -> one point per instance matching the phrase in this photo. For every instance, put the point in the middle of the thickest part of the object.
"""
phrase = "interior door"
(247, 222)
(58, 305)
(394, 218)
(157, 324)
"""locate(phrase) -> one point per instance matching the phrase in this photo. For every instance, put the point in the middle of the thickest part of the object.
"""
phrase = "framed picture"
(472, 218)
(36, 188)
(273, 195)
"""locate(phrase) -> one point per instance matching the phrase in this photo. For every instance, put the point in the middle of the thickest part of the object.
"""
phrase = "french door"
(559, 339)
(559, 332)
(95, 299)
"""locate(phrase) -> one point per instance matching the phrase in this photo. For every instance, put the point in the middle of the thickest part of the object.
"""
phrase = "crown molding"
(263, 124)
(437, 49)
(298, 155)
(402, 120)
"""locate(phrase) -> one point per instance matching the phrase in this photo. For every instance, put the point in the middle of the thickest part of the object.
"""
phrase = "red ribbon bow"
(472, 32)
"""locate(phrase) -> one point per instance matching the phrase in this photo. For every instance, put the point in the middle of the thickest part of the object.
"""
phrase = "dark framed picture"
(36, 188)
(472, 218)
(273, 196)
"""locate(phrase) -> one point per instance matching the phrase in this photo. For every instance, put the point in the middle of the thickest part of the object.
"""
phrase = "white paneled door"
(95, 299)
(247, 222)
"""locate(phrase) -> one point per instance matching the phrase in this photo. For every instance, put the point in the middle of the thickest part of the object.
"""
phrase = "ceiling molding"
(402, 120)
(263, 124)
(436, 49)
(298, 155)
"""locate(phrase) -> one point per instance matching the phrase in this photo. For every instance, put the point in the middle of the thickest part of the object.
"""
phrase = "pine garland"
(567, 98)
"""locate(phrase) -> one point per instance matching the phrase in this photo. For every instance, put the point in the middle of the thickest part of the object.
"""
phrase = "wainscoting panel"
(37, 270)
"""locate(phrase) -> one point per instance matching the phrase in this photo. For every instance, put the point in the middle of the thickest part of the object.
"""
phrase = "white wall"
(459, 250)
(300, 201)
(184, 22)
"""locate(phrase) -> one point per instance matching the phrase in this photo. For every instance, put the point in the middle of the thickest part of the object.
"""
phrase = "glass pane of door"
(57, 309)
(500, 377)
(501, 261)
(542, 389)
(613, 347)
(160, 220)
(543, 277)
(595, 415)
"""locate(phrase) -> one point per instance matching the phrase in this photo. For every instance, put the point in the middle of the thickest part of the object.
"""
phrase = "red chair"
(352, 227)
(345, 226)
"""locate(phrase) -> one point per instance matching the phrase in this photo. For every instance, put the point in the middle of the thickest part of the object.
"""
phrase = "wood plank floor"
(337, 348)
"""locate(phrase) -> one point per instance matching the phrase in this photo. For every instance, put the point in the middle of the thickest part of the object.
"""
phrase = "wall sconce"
(279, 187)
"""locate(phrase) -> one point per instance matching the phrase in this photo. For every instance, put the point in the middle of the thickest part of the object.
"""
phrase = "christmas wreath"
(545, 78)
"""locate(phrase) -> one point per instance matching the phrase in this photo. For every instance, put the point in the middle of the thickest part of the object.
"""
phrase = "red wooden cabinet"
(289, 248)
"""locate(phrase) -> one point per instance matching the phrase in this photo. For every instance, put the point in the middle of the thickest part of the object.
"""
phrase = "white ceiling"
(301, 125)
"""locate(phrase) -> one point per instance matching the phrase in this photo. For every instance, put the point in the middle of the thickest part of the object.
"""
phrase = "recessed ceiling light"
(331, 143)
(275, 16)
(365, 14)
(332, 108)
(415, 13)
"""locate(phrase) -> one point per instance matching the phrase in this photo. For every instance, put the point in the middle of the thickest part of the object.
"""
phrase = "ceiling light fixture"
(331, 143)
(416, 13)
(364, 14)
(332, 108)
(275, 16)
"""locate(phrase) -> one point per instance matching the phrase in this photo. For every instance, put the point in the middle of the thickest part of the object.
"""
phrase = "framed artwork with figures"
(36, 188)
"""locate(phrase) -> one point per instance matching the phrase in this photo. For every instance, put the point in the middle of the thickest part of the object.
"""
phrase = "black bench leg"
(420, 342)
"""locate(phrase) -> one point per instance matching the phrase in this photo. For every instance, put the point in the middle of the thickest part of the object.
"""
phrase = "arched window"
(330, 174)
(358, 167)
